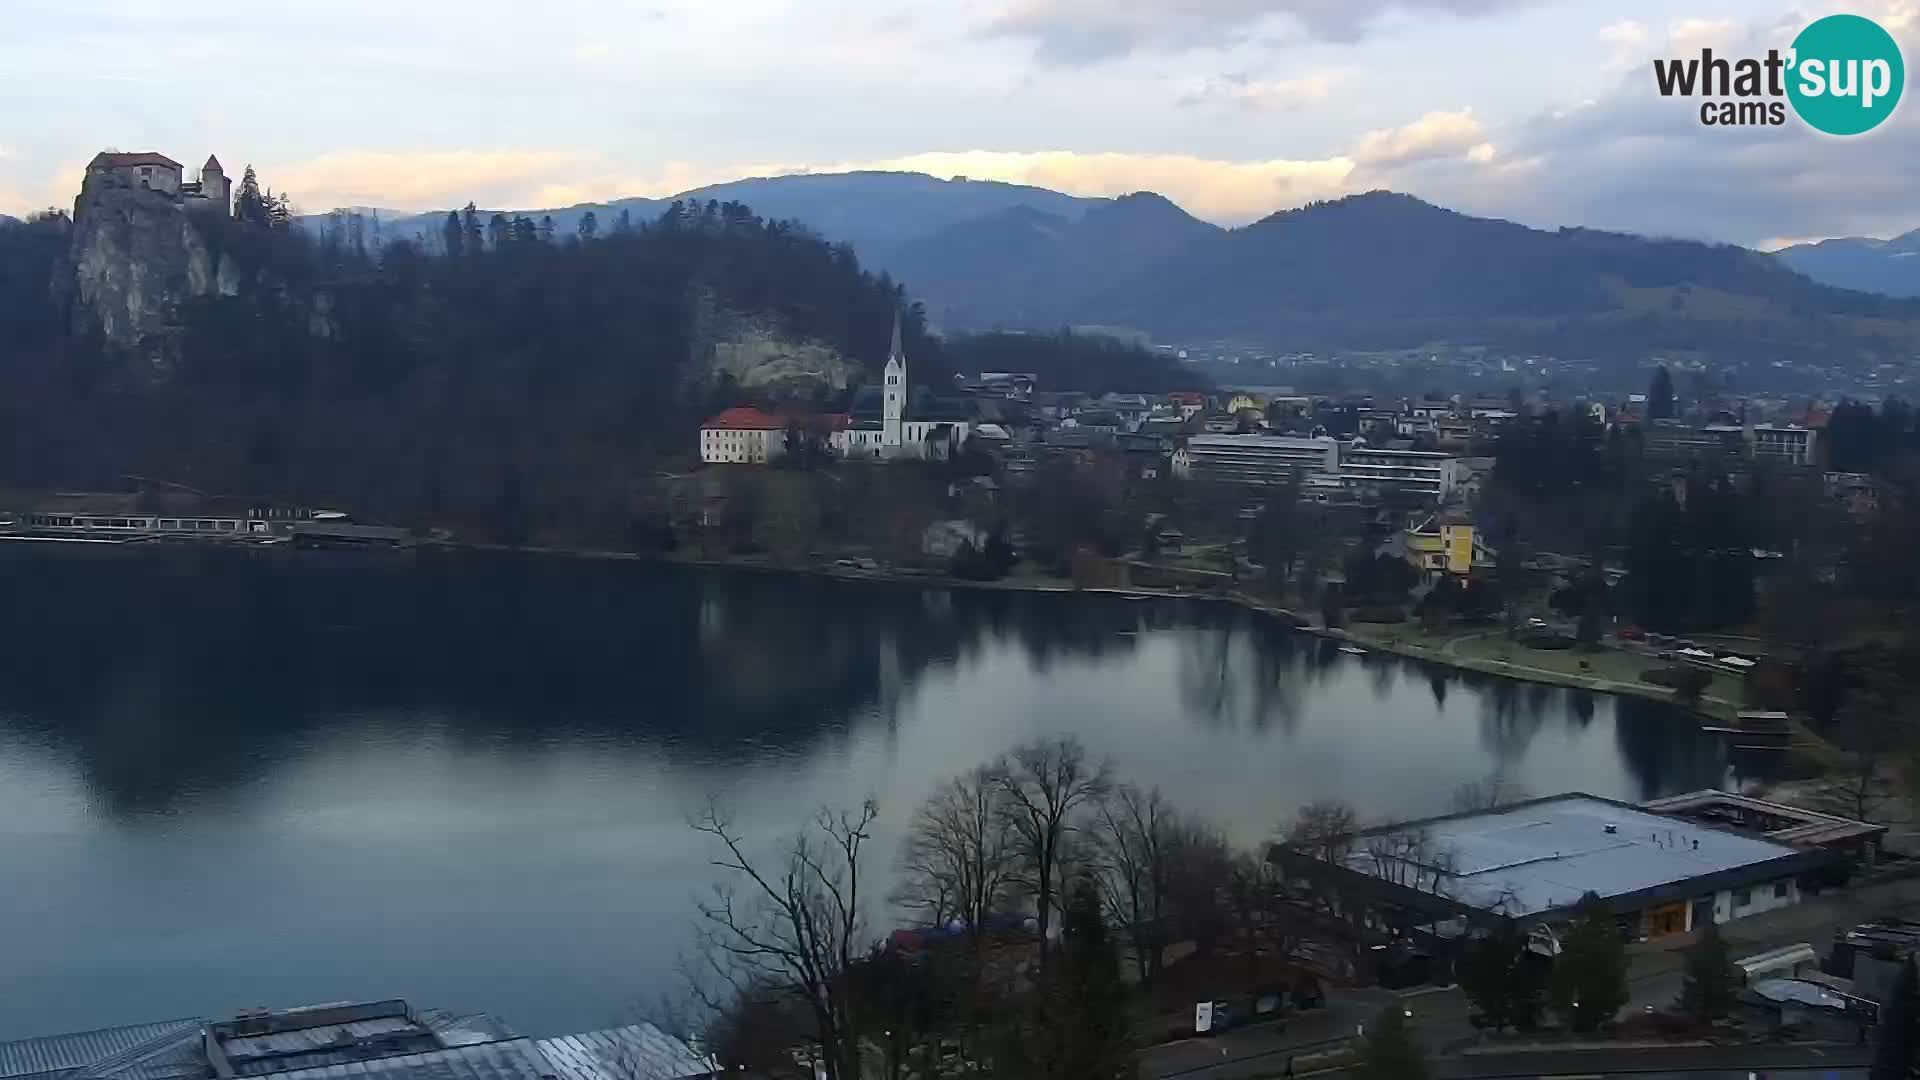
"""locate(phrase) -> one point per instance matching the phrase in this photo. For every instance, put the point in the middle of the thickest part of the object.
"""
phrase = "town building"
(896, 421)
(1786, 444)
(1794, 825)
(1374, 472)
(1857, 493)
(1364, 472)
(1534, 861)
(1789, 445)
(158, 173)
(136, 515)
(1444, 544)
(743, 436)
(373, 1040)
(1255, 459)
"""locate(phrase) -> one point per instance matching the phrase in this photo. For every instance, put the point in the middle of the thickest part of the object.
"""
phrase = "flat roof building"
(1533, 861)
(375, 1040)
(1258, 459)
(1426, 473)
(1776, 821)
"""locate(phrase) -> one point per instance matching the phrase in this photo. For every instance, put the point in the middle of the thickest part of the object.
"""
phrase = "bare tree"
(1265, 928)
(1410, 859)
(1489, 792)
(1044, 784)
(959, 855)
(790, 928)
(1324, 830)
(1134, 834)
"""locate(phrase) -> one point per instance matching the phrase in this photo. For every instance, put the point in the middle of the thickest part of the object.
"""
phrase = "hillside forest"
(522, 376)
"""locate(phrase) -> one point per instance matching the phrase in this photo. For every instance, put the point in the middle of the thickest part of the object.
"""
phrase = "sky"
(1537, 111)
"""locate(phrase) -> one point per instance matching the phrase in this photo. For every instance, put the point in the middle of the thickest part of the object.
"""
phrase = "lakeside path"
(1464, 651)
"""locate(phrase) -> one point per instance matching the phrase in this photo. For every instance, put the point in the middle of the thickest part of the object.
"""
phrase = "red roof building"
(744, 418)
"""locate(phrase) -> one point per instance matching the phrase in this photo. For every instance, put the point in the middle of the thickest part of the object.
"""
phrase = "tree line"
(1033, 879)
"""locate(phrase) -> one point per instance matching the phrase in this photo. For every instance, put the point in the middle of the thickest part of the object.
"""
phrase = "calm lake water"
(238, 778)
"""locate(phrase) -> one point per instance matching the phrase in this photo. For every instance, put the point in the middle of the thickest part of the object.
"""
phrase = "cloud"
(423, 180)
(1625, 34)
(1630, 159)
(1691, 35)
(1264, 95)
(1085, 31)
(1437, 134)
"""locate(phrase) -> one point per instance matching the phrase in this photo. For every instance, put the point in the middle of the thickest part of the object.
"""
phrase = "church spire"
(894, 351)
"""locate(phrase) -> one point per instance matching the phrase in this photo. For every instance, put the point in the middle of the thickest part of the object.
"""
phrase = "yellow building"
(1435, 546)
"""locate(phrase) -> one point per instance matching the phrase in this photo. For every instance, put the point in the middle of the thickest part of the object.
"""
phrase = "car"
(1537, 623)
(1631, 633)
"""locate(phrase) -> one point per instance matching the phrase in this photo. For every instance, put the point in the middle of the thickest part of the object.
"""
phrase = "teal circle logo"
(1846, 75)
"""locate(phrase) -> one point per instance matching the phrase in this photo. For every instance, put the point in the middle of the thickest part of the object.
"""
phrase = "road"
(1655, 973)
(1263, 1049)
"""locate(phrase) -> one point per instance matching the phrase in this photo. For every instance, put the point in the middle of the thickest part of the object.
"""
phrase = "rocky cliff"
(134, 256)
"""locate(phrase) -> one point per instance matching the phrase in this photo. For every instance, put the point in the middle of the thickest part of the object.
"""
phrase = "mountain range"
(1380, 270)
(876, 212)
(1860, 262)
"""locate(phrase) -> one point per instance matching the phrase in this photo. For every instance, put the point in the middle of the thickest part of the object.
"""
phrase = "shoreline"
(1706, 709)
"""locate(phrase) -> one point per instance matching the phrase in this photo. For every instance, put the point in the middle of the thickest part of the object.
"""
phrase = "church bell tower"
(894, 389)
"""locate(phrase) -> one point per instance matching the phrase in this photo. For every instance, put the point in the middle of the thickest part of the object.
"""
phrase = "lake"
(236, 778)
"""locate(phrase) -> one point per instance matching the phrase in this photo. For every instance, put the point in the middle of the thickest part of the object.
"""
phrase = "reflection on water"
(264, 778)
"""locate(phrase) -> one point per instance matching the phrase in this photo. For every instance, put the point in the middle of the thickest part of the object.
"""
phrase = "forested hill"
(418, 387)
(1385, 270)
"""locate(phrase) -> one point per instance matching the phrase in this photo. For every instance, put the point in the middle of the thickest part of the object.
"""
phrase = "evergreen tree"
(1503, 980)
(453, 232)
(1708, 992)
(1895, 1040)
(1079, 1027)
(250, 204)
(497, 232)
(589, 225)
(1589, 983)
(1660, 404)
(1391, 1052)
(623, 225)
(471, 241)
(546, 228)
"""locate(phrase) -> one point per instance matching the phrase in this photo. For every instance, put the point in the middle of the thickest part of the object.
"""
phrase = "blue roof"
(57, 1055)
(514, 1059)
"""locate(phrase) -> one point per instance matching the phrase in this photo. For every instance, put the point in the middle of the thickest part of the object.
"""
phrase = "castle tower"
(215, 186)
(894, 387)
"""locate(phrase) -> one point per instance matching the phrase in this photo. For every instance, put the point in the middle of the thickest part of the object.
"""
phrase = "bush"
(1545, 639)
(1379, 613)
(1685, 681)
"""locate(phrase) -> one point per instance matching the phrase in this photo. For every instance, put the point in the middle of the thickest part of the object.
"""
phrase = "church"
(897, 422)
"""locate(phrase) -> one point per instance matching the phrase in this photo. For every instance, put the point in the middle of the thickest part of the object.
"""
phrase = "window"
(1779, 890)
(1742, 897)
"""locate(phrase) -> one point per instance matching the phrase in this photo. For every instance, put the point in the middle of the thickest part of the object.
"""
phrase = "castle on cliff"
(212, 192)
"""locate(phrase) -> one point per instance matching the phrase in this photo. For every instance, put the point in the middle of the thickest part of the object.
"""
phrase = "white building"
(742, 436)
(1256, 459)
(905, 427)
(1533, 862)
(1320, 462)
(1791, 445)
(1426, 473)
